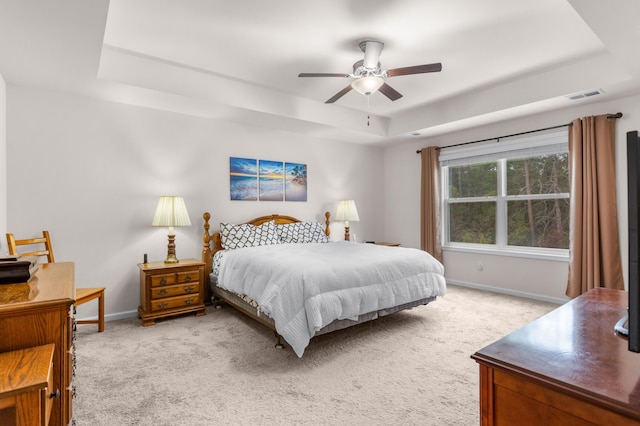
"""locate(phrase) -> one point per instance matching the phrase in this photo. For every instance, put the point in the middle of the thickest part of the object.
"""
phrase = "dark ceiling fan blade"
(321, 74)
(418, 69)
(389, 92)
(339, 95)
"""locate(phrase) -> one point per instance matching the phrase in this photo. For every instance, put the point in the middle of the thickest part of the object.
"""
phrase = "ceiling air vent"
(586, 94)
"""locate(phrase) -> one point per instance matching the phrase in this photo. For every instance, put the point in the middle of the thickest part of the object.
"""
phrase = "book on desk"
(17, 269)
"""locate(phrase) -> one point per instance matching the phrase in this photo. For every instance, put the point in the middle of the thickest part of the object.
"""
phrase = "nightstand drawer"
(188, 276)
(165, 279)
(175, 290)
(174, 302)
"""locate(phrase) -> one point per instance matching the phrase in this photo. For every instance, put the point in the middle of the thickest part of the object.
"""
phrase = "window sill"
(557, 255)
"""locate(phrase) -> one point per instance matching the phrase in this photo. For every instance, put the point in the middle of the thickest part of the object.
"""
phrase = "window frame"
(517, 148)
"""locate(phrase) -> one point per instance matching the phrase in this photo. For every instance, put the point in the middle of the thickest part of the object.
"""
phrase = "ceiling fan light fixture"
(367, 85)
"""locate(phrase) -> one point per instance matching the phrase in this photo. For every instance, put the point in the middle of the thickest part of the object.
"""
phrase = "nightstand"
(168, 289)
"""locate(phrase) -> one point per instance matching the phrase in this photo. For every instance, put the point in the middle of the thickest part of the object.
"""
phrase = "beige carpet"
(413, 367)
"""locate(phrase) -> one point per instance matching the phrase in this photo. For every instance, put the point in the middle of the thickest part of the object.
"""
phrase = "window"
(511, 196)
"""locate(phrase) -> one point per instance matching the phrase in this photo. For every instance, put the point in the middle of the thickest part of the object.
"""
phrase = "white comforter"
(304, 287)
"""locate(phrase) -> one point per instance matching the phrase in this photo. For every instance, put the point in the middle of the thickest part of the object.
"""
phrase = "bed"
(286, 274)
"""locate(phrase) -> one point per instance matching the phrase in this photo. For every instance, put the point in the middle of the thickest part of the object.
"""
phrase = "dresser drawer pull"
(163, 281)
(188, 301)
(55, 394)
(162, 292)
(162, 305)
(189, 289)
(187, 278)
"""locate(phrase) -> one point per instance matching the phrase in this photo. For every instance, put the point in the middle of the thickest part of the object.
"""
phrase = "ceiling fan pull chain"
(368, 115)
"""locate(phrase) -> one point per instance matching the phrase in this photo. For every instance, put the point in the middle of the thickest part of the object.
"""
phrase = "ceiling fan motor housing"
(372, 50)
(359, 70)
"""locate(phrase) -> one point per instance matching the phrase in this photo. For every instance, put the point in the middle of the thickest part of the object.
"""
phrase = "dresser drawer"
(174, 302)
(175, 290)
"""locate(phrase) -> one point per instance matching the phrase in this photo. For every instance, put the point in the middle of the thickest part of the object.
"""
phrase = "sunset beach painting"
(295, 182)
(243, 178)
(267, 180)
(271, 180)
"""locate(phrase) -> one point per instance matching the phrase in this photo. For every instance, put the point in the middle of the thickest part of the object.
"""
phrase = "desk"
(565, 368)
(38, 313)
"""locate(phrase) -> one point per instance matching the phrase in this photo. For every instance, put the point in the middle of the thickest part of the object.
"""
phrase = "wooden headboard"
(209, 249)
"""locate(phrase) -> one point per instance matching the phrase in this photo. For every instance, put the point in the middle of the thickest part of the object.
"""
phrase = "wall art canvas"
(295, 182)
(267, 180)
(271, 180)
(243, 178)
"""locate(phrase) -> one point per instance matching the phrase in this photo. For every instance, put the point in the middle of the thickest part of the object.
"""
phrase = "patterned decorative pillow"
(245, 235)
(266, 234)
(314, 233)
(237, 236)
(289, 233)
(302, 232)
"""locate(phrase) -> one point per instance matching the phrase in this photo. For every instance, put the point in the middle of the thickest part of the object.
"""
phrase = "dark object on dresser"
(18, 269)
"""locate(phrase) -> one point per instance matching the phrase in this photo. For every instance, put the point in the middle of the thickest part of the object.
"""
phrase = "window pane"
(546, 174)
(472, 222)
(538, 223)
(473, 180)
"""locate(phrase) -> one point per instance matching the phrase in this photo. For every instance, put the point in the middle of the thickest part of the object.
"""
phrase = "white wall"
(91, 172)
(3, 164)
(537, 278)
(98, 168)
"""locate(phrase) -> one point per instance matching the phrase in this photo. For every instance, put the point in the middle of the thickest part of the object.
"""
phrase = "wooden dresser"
(38, 313)
(26, 377)
(170, 289)
(566, 368)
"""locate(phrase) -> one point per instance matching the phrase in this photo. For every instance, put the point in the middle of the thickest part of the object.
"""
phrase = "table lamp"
(347, 211)
(171, 211)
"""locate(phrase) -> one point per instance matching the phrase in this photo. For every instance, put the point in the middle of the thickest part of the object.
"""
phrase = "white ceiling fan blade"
(372, 51)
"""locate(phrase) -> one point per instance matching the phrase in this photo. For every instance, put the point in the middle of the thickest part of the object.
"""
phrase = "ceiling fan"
(369, 77)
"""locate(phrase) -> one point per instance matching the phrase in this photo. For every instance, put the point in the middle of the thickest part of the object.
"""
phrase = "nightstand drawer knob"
(163, 281)
(189, 289)
(162, 305)
(188, 278)
(188, 301)
(162, 292)
(55, 394)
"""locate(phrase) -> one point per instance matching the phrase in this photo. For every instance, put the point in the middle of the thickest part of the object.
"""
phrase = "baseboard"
(114, 317)
(510, 292)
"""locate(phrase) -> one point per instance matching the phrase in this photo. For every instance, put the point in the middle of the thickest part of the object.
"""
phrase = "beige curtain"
(594, 248)
(430, 202)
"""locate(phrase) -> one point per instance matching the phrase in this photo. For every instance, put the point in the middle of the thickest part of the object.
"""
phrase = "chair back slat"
(45, 251)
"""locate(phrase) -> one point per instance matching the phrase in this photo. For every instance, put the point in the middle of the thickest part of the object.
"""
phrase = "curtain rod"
(497, 139)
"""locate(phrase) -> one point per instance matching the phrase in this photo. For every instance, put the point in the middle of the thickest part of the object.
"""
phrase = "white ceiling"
(239, 60)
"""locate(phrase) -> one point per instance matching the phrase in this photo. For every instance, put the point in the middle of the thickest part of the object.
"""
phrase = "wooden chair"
(83, 295)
